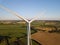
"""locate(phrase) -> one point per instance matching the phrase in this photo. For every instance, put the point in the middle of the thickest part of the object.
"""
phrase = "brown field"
(46, 38)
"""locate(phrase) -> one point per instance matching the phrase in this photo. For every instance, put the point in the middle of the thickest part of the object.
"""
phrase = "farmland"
(15, 31)
(48, 32)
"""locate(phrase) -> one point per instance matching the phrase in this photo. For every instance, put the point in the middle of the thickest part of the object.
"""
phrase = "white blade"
(14, 13)
(36, 17)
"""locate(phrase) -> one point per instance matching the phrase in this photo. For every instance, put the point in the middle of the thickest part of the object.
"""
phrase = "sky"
(42, 9)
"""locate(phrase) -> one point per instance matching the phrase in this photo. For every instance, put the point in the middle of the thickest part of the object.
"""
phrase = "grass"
(14, 31)
(11, 29)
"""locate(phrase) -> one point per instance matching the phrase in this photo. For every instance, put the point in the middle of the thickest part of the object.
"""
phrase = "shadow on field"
(37, 42)
(6, 39)
(18, 42)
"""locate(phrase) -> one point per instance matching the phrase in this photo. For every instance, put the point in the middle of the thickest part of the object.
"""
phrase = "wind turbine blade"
(36, 17)
(14, 13)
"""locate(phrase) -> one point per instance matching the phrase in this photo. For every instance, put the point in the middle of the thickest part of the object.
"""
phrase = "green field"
(14, 31)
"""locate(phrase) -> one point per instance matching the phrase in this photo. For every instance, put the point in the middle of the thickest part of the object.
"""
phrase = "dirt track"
(46, 38)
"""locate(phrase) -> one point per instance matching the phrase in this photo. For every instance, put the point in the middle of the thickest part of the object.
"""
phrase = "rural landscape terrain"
(29, 22)
(43, 32)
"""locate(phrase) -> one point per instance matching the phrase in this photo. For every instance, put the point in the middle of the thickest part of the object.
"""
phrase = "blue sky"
(31, 8)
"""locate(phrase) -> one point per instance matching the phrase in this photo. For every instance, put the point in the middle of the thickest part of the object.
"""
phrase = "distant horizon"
(41, 20)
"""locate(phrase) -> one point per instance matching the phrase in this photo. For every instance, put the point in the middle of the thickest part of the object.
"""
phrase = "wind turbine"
(27, 21)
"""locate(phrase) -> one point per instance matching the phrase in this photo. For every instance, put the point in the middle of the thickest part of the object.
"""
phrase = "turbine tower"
(27, 21)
